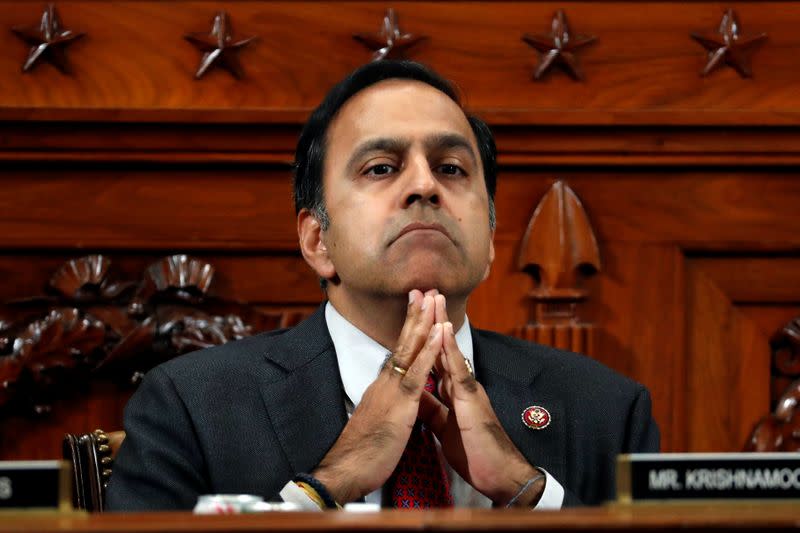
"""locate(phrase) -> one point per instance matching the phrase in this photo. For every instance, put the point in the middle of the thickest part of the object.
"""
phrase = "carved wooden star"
(390, 42)
(558, 48)
(218, 47)
(728, 47)
(48, 41)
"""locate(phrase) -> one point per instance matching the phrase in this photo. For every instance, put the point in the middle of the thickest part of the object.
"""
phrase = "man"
(394, 189)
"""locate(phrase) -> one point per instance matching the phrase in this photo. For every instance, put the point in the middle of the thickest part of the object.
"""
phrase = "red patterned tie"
(420, 480)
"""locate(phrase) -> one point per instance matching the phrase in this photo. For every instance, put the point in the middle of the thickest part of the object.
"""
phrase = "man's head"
(394, 185)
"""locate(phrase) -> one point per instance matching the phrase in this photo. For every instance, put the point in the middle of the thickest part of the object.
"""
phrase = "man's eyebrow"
(381, 144)
(450, 140)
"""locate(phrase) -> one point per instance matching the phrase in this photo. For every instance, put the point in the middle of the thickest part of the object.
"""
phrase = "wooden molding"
(273, 144)
(558, 249)
(643, 71)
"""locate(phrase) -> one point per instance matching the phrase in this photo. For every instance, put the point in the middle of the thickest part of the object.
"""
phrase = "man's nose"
(422, 185)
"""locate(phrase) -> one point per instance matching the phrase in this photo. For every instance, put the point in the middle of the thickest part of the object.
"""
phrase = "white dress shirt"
(360, 360)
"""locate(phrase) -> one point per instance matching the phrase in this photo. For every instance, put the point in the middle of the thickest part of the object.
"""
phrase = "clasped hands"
(474, 443)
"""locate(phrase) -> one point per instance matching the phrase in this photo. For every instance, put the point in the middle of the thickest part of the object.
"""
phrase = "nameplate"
(708, 476)
(35, 485)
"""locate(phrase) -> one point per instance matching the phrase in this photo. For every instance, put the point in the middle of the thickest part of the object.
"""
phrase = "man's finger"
(419, 319)
(445, 390)
(463, 380)
(433, 413)
(440, 317)
(440, 304)
(417, 374)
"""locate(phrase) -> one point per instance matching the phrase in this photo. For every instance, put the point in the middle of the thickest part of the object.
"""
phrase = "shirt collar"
(361, 357)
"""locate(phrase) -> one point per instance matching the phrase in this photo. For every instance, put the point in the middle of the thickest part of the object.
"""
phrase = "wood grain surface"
(644, 68)
(690, 184)
(697, 517)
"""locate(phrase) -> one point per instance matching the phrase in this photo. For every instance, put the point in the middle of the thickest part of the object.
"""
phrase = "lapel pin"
(536, 417)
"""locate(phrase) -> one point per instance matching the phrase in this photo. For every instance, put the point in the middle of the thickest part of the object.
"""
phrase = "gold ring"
(469, 367)
(399, 369)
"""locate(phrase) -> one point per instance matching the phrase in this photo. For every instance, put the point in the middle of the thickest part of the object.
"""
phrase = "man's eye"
(380, 170)
(452, 170)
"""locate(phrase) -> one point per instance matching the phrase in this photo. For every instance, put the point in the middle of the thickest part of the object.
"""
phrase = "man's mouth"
(423, 226)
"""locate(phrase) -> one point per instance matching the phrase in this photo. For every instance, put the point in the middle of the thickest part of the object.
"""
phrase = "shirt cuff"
(292, 493)
(552, 496)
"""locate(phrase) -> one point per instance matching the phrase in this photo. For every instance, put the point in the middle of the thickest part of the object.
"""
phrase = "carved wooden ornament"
(90, 325)
(219, 47)
(727, 46)
(47, 42)
(785, 348)
(779, 431)
(558, 248)
(390, 42)
(558, 48)
(559, 241)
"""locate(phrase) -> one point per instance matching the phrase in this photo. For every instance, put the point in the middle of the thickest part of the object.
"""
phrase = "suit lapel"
(510, 379)
(305, 402)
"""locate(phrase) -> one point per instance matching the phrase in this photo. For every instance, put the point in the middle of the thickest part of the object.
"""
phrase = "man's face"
(405, 192)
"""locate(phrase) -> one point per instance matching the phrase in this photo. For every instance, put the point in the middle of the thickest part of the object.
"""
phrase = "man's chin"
(425, 282)
(424, 272)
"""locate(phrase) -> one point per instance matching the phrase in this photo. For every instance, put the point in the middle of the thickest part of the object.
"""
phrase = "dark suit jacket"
(246, 416)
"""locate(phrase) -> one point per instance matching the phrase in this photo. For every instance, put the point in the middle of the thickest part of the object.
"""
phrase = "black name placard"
(708, 476)
(35, 485)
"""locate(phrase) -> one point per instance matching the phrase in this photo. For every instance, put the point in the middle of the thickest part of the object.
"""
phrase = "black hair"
(310, 152)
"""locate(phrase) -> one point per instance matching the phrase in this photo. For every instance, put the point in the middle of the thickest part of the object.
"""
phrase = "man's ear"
(491, 257)
(312, 246)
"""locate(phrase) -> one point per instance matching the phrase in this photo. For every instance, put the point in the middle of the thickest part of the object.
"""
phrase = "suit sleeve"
(159, 465)
(641, 436)
(570, 499)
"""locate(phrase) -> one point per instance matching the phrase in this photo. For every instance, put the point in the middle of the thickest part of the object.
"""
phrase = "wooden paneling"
(685, 336)
(771, 318)
(645, 220)
(251, 209)
(690, 184)
(113, 207)
(725, 209)
(638, 305)
(90, 406)
(754, 280)
(277, 283)
(644, 68)
(727, 355)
